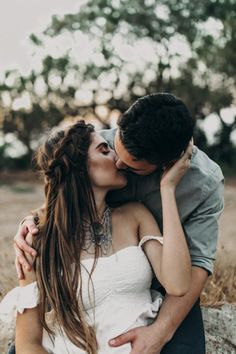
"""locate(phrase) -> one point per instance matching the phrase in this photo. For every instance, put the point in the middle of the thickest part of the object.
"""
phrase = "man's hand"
(21, 246)
(144, 340)
(151, 339)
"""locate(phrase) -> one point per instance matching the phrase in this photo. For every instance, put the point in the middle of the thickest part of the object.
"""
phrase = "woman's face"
(102, 165)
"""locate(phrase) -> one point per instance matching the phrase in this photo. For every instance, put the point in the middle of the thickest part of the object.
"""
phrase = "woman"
(92, 278)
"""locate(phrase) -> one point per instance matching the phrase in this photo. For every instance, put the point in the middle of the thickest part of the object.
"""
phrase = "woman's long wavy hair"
(62, 161)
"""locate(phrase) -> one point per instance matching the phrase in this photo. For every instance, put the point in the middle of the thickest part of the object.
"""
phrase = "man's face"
(126, 161)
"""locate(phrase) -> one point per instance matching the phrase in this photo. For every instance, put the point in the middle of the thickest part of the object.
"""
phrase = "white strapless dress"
(122, 300)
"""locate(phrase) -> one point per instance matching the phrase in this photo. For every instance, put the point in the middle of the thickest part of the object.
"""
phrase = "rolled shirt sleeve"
(202, 229)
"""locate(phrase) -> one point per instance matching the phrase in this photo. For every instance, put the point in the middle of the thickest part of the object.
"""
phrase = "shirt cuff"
(202, 262)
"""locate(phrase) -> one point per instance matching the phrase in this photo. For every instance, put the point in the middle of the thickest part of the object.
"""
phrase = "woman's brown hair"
(62, 160)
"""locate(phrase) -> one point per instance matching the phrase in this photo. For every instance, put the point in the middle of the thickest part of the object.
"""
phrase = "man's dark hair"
(156, 128)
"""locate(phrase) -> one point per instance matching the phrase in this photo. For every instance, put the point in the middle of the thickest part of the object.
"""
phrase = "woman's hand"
(173, 174)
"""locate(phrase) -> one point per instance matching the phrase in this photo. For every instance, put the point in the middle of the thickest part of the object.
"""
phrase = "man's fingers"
(23, 245)
(19, 271)
(27, 227)
(30, 226)
(21, 258)
(123, 339)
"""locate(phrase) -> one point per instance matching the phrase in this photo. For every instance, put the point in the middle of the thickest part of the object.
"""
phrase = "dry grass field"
(221, 286)
(18, 196)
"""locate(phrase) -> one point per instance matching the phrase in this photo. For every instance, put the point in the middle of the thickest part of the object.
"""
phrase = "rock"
(220, 329)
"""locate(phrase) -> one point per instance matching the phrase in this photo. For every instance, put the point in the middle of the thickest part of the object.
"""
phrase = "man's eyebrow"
(102, 144)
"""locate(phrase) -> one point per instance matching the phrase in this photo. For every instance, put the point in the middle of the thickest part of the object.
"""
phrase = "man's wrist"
(163, 331)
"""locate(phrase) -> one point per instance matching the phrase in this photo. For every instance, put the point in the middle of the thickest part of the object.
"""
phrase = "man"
(152, 134)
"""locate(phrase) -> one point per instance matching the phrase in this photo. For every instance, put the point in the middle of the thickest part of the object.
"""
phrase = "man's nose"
(120, 165)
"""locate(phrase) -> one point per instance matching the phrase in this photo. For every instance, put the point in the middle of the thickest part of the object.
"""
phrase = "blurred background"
(62, 61)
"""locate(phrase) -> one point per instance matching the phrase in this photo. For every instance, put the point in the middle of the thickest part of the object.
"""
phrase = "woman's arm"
(29, 330)
(171, 262)
(29, 333)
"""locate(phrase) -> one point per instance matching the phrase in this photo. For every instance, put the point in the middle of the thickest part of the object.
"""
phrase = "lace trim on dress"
(149, 237)
(19, 299)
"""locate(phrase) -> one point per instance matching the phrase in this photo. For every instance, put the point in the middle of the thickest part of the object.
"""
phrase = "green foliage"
(35, 40)
(200, 68)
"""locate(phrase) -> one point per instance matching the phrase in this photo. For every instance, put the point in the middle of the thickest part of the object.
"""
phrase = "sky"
(20, 18)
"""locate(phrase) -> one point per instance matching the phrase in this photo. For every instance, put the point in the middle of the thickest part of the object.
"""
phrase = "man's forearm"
(174, 309)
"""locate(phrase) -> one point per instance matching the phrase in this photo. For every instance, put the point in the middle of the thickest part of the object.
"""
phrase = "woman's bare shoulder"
(134, 209)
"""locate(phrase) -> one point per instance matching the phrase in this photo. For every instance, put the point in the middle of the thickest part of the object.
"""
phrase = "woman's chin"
(121, 182)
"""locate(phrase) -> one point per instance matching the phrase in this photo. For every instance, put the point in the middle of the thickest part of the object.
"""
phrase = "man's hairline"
(129, 167)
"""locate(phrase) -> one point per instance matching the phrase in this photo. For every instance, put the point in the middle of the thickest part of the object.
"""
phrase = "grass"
(220, 287)
(22, 189)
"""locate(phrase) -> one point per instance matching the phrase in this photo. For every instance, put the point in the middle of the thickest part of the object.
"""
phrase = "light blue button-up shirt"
(199, 198)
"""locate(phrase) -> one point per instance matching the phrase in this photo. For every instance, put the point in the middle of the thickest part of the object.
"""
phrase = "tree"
(136, 47)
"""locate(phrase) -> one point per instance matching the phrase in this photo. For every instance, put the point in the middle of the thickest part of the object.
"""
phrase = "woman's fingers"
(189, 151)
(174, 173)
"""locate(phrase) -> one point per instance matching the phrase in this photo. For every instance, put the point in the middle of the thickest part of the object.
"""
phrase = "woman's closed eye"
(105, 150)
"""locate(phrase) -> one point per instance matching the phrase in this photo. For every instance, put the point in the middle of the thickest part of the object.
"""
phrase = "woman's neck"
(100, 201)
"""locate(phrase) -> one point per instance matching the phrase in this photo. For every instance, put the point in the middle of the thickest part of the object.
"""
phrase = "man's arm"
(174, 309)
(21, 246)
(27, 226)
(151, 339)
(202, 231)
